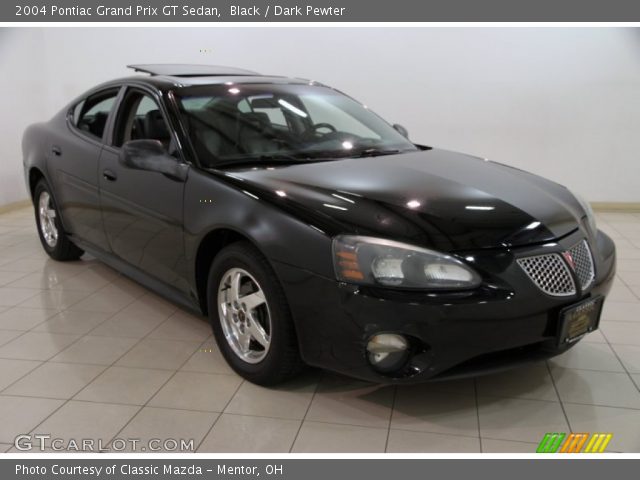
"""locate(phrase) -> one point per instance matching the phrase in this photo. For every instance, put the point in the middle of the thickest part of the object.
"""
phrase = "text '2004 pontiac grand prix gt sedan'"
(310, 231)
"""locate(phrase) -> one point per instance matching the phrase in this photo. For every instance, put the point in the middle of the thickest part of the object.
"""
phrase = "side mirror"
(401, 130)
(151, 155)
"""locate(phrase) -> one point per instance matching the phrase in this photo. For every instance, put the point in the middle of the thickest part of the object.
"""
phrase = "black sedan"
(310, 231)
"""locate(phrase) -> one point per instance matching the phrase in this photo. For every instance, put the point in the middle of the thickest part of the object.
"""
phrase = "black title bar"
(215, 11)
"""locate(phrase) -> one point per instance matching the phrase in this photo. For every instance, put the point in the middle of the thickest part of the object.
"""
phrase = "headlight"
(374, 261)
(591, 218)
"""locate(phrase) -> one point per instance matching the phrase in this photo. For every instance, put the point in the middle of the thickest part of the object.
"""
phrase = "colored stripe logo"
(574, 443)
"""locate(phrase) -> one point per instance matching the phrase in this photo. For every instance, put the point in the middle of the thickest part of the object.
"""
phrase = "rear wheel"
(250, 317)
(54, 241)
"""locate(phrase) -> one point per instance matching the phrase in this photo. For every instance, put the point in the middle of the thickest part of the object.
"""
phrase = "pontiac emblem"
(569, 259)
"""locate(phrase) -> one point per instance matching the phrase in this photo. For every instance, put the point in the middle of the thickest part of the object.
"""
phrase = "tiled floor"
(86, 353)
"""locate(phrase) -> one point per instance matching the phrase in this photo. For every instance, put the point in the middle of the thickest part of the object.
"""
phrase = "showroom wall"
(561, 102)
(22, 100)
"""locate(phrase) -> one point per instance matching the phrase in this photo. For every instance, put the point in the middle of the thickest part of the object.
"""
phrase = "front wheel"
(54, 241)
(250, 317)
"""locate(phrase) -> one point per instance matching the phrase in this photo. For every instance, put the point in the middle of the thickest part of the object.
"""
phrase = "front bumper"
(506, 322)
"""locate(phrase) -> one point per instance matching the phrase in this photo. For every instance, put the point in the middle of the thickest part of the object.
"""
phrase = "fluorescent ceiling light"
(328, 205)
(479, 207)
(291, 108)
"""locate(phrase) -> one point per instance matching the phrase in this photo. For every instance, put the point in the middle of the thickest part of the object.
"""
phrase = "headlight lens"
(374, 261)
(586, 206)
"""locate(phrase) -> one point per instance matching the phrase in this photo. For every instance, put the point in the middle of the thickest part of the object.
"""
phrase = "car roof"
(187, 70)
(183, 75)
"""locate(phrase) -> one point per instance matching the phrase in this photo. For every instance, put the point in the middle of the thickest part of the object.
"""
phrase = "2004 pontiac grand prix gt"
(310, 231)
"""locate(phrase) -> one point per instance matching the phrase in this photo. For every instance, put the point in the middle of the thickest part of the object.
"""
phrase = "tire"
(52, 236)
(242, 266)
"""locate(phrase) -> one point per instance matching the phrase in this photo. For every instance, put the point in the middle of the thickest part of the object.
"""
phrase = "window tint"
(77, 110)
(196, 103)
(146, 105)
(243, 106)
(273, 111)
(140, 118)
(323, 112)
(91, 114)
(251, 121)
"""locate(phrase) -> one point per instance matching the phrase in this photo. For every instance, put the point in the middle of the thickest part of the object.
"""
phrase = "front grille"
(583, 263)
(550, 273)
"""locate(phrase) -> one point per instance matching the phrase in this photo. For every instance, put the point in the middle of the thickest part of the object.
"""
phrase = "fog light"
(387, 352)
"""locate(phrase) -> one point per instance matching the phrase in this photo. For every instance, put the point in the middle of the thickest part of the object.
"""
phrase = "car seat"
(155, 128)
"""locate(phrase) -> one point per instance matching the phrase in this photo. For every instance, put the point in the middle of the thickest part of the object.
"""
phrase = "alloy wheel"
(244, 315)
(47, 215)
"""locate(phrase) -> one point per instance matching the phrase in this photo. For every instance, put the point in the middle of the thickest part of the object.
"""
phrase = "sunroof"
(182, 70)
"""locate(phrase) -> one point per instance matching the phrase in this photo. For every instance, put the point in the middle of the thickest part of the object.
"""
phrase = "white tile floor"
(87, 353)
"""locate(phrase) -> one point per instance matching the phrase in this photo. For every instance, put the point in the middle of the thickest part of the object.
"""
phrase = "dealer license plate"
(578, 320)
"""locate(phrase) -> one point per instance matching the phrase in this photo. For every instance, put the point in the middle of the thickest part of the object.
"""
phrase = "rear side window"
(91, 114)
(77, 110)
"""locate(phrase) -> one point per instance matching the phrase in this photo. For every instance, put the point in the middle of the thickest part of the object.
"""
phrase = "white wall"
(22, 96)
(561, 102)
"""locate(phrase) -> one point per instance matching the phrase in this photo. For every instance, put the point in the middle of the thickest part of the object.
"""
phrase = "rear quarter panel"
(35, 149)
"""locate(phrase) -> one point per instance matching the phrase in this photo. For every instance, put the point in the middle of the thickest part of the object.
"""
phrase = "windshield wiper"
(284, 159)
(279, 159)
(375, 152)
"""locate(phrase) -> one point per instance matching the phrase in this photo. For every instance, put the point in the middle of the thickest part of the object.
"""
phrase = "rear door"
(142, 210)
(73, 166)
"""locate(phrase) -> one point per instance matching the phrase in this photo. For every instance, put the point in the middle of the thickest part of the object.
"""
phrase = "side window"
(243, 106)
(77, 110)
(140, 118)
(91, 114)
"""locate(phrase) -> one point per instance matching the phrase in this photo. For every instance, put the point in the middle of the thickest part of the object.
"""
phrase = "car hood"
(434, 198)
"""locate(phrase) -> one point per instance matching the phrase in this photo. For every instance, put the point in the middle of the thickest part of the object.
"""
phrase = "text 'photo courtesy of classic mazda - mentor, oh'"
(312, 232)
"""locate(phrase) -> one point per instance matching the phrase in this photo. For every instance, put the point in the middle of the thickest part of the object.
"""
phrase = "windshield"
(235, 123)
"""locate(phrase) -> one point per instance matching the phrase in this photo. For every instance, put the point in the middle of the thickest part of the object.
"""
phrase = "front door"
(142, 210)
